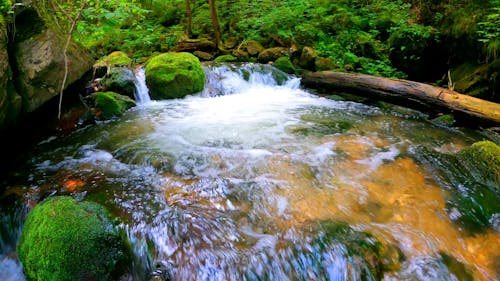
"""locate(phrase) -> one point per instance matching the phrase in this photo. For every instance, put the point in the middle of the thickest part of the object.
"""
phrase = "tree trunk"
(215, 23)
(188, 16)
(404, 91)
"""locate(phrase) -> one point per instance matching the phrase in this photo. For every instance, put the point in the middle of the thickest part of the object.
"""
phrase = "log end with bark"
(407, 93)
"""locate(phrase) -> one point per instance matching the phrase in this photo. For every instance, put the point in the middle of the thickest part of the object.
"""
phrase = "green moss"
(482, 159)
(284, 64)
(64, 239)
(226, 58)
(445, 119)
(114, 59)
(111, 104)
(174, 75)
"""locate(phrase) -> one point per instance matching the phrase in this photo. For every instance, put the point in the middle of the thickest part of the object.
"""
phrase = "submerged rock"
(367, 255)
(174, 75)
(471, 204)
(482, 160)
(64, 239)
(109, 104)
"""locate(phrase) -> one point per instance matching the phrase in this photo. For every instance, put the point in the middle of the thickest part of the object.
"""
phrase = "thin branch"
(65, 54)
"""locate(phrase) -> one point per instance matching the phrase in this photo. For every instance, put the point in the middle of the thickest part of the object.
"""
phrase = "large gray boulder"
(40, 62)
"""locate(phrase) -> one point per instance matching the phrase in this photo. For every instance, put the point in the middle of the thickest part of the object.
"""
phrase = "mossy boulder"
(64, 239)
(226, 58)
(120, 80)
(482, 159)
(272, 54)
(115, 59)
(109, 104)
(322, 64)
(308, 58)
(284, 64)
(251, 47)
(174, 75)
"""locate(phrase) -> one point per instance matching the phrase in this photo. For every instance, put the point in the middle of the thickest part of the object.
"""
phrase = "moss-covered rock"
(174, 75)
(284, 64)
(64, 239)
(109, 104)
(251, 47)
(478, 80)
(120, 80)
(470, 203)
(226, 58)
(445, 120)
(308, 58)
(322, 64)
(368, 258)
(115, 59)
(272, 54)
(482, 159)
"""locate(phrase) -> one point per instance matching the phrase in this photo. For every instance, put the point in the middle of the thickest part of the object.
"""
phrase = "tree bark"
(215, 23)
(404, 91)
(188, 16)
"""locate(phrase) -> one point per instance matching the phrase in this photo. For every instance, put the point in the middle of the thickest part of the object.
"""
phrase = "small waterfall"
(142, 91)
(230, 79)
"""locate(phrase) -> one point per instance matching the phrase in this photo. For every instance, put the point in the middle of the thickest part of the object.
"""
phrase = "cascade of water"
(254, 178)
(229, 79)
(142, 92)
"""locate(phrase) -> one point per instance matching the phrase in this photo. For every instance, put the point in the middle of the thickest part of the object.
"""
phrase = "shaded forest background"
(419, 40)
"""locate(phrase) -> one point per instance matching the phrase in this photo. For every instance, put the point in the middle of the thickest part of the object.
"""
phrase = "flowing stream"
(257, 179)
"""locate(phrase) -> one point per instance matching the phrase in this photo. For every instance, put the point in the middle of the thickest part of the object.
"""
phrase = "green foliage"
(174, 75)
(5, 7)
(110, 25)
(489, 30)
(64, 239)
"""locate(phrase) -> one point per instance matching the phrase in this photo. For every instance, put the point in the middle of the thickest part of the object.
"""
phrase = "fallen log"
(404, 90)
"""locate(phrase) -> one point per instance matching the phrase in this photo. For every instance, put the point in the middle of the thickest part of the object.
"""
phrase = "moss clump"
(109, 104)
(445, 120)
(114, 59)
(64, 239)
(226, 58)
(284, 64)
(482, 159)
(174, 75)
